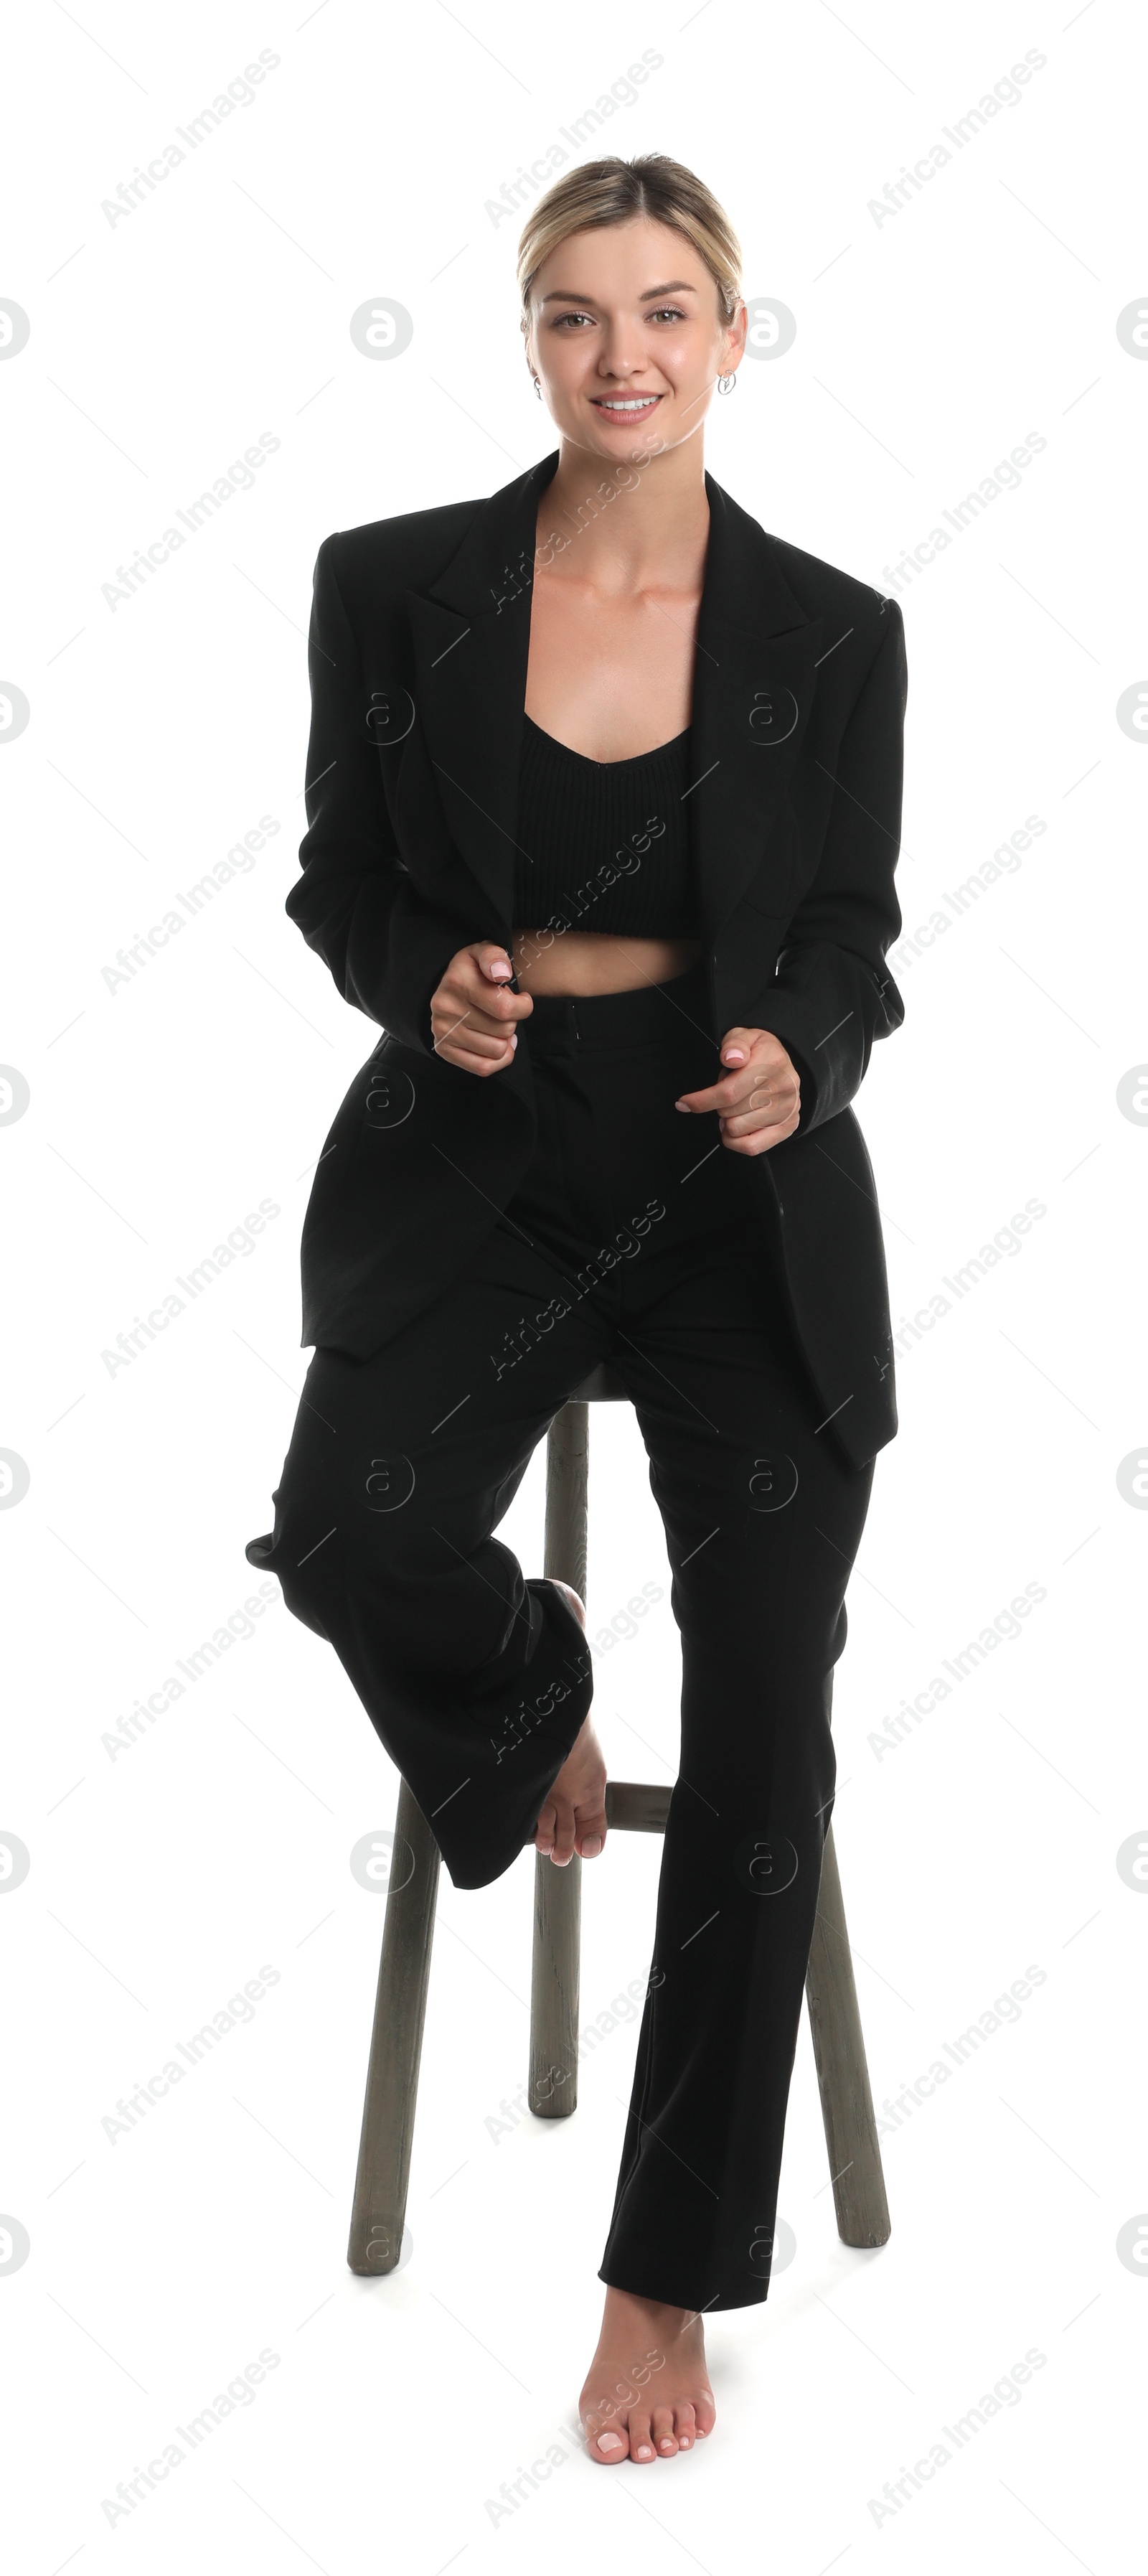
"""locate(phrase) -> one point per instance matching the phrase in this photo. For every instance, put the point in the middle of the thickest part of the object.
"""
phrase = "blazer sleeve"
(354, 903)
(832, 995)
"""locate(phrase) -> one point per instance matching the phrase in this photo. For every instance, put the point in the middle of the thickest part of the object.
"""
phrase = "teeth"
(641, 404)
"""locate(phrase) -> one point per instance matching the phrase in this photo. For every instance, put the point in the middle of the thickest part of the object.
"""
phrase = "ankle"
(659, 2311)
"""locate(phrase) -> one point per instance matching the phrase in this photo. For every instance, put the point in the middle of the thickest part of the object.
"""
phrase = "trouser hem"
(675, 2294)
(482, 1850)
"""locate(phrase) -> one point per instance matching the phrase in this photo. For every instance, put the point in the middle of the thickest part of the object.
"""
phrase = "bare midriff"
(596, 961)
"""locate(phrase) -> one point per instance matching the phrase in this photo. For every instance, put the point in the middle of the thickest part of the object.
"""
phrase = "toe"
(590, 1829)
(662, 2428)
(563, 1843)
(684, 2427)
(604, 2440)
(641, 2447)
(705, 2413)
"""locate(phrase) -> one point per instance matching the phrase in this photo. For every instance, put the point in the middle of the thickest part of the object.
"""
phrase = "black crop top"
(603, 845)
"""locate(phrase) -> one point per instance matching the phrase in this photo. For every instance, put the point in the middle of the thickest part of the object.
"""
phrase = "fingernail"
(591, 1847)
(736, 1056)
(514, 1039)
(680, 1104)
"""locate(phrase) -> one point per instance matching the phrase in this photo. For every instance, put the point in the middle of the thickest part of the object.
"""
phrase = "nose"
(620, 371)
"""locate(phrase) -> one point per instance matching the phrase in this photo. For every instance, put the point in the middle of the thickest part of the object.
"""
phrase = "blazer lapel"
(753, 690)
(471, 638)
(754, 680)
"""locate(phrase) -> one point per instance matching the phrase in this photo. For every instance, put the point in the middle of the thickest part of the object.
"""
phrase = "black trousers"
(636, 1238)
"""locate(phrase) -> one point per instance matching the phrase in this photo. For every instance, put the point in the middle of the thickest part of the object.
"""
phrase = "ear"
(735, 338)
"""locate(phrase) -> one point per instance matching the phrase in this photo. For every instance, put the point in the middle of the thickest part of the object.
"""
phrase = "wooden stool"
(379, 2206)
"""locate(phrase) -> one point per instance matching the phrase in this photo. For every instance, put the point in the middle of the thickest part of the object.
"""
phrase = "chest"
(611, 677)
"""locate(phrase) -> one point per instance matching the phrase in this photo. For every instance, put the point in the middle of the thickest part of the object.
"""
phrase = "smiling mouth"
(624, 406)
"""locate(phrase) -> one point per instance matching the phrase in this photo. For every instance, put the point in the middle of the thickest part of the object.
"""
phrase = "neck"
(628, 522)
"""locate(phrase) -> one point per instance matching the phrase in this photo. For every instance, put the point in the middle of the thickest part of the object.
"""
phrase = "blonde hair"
(614, 192)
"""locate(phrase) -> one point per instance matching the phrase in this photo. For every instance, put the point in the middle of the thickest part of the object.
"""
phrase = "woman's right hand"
(473, 1015)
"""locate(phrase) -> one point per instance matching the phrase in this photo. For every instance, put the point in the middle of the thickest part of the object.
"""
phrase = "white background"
(161, 1111)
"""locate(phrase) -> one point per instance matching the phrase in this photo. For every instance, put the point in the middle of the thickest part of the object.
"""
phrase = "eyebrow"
(677, 286)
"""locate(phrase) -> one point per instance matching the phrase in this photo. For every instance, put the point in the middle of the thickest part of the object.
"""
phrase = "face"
(628, 338)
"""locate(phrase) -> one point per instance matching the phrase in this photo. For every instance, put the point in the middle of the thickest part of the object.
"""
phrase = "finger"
(465, 989)
(736, 1046)
(765, 1105)
(743, 1041)
(491, 1002)
(480, 1064)
(452, 1009)
(762, 1140)
(495, 970)
(723, 1096)
(472, 1041)
(759, 1113)
(475, 1041)
(449, 1011)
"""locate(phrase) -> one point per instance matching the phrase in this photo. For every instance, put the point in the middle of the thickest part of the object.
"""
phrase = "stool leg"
(842, 2071)
(380, 2201)
(554, 1987)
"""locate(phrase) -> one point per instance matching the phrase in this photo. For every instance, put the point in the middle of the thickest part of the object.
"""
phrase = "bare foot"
(646, 2393)
(573, 1818)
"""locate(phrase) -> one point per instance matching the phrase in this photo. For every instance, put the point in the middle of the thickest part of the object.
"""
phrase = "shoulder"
(826, 590)
(759, 566)
(864, 632)
(407, 552)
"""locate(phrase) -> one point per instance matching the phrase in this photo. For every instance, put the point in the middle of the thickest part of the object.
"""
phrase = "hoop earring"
(725, 384)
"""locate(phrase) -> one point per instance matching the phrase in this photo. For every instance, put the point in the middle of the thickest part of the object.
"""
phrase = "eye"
(667, 313)
(569, 317)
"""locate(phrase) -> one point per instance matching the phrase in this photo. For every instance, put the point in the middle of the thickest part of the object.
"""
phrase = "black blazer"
(418, 653)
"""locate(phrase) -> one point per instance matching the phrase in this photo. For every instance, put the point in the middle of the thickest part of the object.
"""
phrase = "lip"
(625, 419)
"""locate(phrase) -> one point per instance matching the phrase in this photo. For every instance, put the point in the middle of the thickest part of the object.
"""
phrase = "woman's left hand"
(758, 1100)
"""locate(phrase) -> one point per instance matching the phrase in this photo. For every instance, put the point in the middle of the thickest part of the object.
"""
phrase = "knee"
(301, 1595)
(414, 1610)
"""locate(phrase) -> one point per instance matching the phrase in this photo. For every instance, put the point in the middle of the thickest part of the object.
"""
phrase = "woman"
(603, 804)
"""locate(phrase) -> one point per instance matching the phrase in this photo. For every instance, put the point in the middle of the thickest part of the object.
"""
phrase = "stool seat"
(603, 1386)
(632, 1806)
